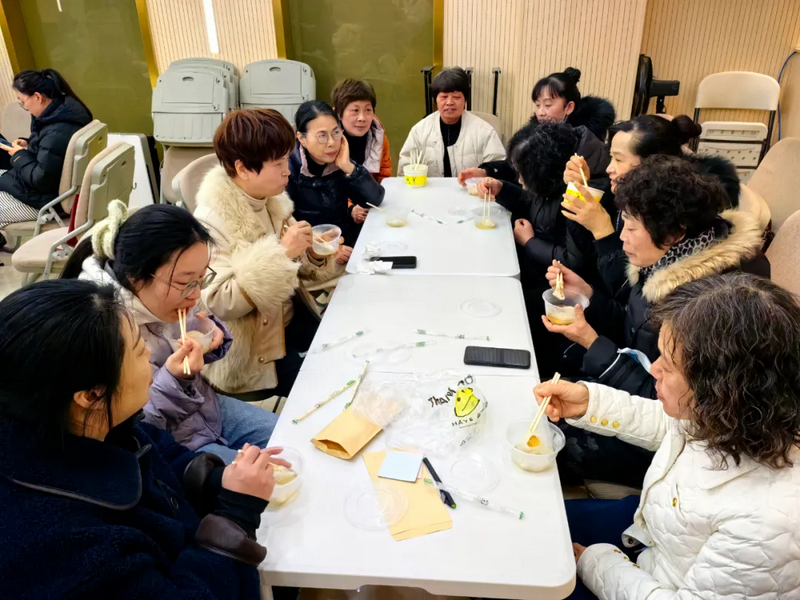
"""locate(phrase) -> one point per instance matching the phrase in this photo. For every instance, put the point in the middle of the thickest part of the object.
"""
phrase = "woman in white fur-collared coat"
(262, 256)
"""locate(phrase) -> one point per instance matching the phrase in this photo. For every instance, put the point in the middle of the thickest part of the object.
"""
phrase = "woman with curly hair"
(673, 233)
(538, 153)
(719, 515)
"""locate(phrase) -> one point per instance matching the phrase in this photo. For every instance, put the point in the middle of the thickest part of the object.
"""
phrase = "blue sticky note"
(401, 466)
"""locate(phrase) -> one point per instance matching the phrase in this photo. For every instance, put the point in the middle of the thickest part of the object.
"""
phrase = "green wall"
(386, 42)
(97, 46)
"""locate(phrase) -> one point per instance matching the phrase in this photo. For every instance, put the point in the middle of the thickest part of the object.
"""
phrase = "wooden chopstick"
(542, 407)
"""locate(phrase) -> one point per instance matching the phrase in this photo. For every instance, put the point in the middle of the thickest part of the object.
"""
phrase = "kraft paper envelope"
(346, 435)
(426, 511)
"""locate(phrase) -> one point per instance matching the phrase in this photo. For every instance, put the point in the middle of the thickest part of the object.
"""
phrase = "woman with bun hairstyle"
(158, 261)
(33, 165)
(556, 99)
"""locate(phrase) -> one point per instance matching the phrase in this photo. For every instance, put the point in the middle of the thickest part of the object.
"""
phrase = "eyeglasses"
(322, 137)
(189, 289)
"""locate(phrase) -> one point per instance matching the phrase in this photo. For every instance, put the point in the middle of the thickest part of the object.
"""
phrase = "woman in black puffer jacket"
(33, 165)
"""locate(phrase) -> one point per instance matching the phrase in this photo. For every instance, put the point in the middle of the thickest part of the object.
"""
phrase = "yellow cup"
(416, 175)
(572, 190)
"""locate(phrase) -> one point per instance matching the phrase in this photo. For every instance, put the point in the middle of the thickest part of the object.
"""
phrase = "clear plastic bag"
(445, 411)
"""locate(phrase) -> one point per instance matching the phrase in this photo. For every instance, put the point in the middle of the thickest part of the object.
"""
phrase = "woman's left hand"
(523, 231)
(343, 158)
(218, 337)
(15, 148)
(578, 551)
(579, 331)
(360, 213)
(588, 212)
(343, 254)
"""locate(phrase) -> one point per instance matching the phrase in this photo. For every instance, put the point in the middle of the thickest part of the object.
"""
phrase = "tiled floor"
(10, 280)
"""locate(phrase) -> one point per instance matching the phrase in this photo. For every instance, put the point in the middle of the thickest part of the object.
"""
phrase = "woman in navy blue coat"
(96, 504)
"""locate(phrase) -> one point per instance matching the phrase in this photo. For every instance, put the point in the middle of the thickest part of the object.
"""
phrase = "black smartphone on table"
(508, 358)
(399, 262)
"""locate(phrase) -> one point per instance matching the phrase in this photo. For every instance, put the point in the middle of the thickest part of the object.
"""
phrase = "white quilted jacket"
(477, 143)
(731, 533)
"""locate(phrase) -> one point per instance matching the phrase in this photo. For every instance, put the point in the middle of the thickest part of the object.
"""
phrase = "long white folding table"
(485, 554)
(449, 249)
(393, 308)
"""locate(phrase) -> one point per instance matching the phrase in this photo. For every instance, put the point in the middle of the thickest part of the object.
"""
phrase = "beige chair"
(754, 204)
(16, 122)
(188, 180)
(492, 120)
(109, 176)
(175, 159)
(777, 180)
(85, 144)
(745, 144)
(784, 255)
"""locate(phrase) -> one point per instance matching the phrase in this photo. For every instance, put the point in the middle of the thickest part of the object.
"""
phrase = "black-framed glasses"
(189, 289)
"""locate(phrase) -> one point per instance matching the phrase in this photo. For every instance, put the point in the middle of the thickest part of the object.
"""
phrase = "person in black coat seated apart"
(33, 166)
(673, 234)
(95, 503)
(538, 153)
(556, 99)
(323, 176)
(630, 143)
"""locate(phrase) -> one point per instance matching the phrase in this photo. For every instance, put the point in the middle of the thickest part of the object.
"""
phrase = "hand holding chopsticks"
(182, 323)
(532, 440)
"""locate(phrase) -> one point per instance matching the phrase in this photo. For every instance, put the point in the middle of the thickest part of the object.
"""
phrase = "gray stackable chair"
(188, 106)
(84, 145)
(279, 84)
(109, 176)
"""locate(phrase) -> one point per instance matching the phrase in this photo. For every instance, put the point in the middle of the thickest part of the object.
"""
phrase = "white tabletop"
(449, 249)
(393, 308)
(485, 554)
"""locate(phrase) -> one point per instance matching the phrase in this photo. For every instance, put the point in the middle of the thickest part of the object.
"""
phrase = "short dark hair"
(59, 337)
(653, 134)
(736, 338)
(670, 198)
(453, 79)
(559, 85)
(308, 111)
(352, 90)
(253, 136)
(539, 153)
(148, 239)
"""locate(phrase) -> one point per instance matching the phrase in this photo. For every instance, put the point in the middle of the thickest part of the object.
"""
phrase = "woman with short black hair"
(452, 139)
(110, 507)
(719, 515)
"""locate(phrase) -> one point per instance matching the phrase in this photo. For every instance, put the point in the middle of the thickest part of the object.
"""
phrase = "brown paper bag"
(346, 435)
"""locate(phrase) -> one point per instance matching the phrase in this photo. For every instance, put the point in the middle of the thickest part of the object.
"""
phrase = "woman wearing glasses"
(323, 176)
(158, 259)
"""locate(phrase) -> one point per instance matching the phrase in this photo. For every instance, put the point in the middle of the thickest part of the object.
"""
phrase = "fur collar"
(220, 195)
(741, 244)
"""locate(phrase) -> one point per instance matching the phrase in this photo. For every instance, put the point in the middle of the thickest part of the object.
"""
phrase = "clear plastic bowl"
(203, 333)
(472, 185)
(562, 312)
(326, 239)
(396, 216)
(285, 492)
(550, 435)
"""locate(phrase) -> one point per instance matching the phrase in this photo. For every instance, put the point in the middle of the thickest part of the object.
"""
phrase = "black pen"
(446, 497)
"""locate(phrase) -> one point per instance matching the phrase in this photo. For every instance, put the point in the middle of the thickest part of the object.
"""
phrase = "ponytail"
(653, 134)
(48, 83)
(685, 129)
(560, 85)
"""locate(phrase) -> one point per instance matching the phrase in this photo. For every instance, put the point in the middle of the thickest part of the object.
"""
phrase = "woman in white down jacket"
(719, 515)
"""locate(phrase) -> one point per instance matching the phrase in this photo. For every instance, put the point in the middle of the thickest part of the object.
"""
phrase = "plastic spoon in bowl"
(533, 440)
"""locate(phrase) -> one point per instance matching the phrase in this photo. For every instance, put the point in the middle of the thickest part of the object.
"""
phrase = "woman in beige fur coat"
(262, 256)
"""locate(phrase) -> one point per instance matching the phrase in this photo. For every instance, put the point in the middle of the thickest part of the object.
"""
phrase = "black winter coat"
(35, 172)
(623, 320)
(83, 518)
(324, 200)
(555, 236)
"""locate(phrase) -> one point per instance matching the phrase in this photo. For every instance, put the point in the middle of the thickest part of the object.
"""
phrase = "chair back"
(16, 122)
(738, 90)
(175, 159)
(753, 203)
(84, 145)
(777, 180)
(108, 176)
(492, 120)
(188, 179)
(784, 255)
